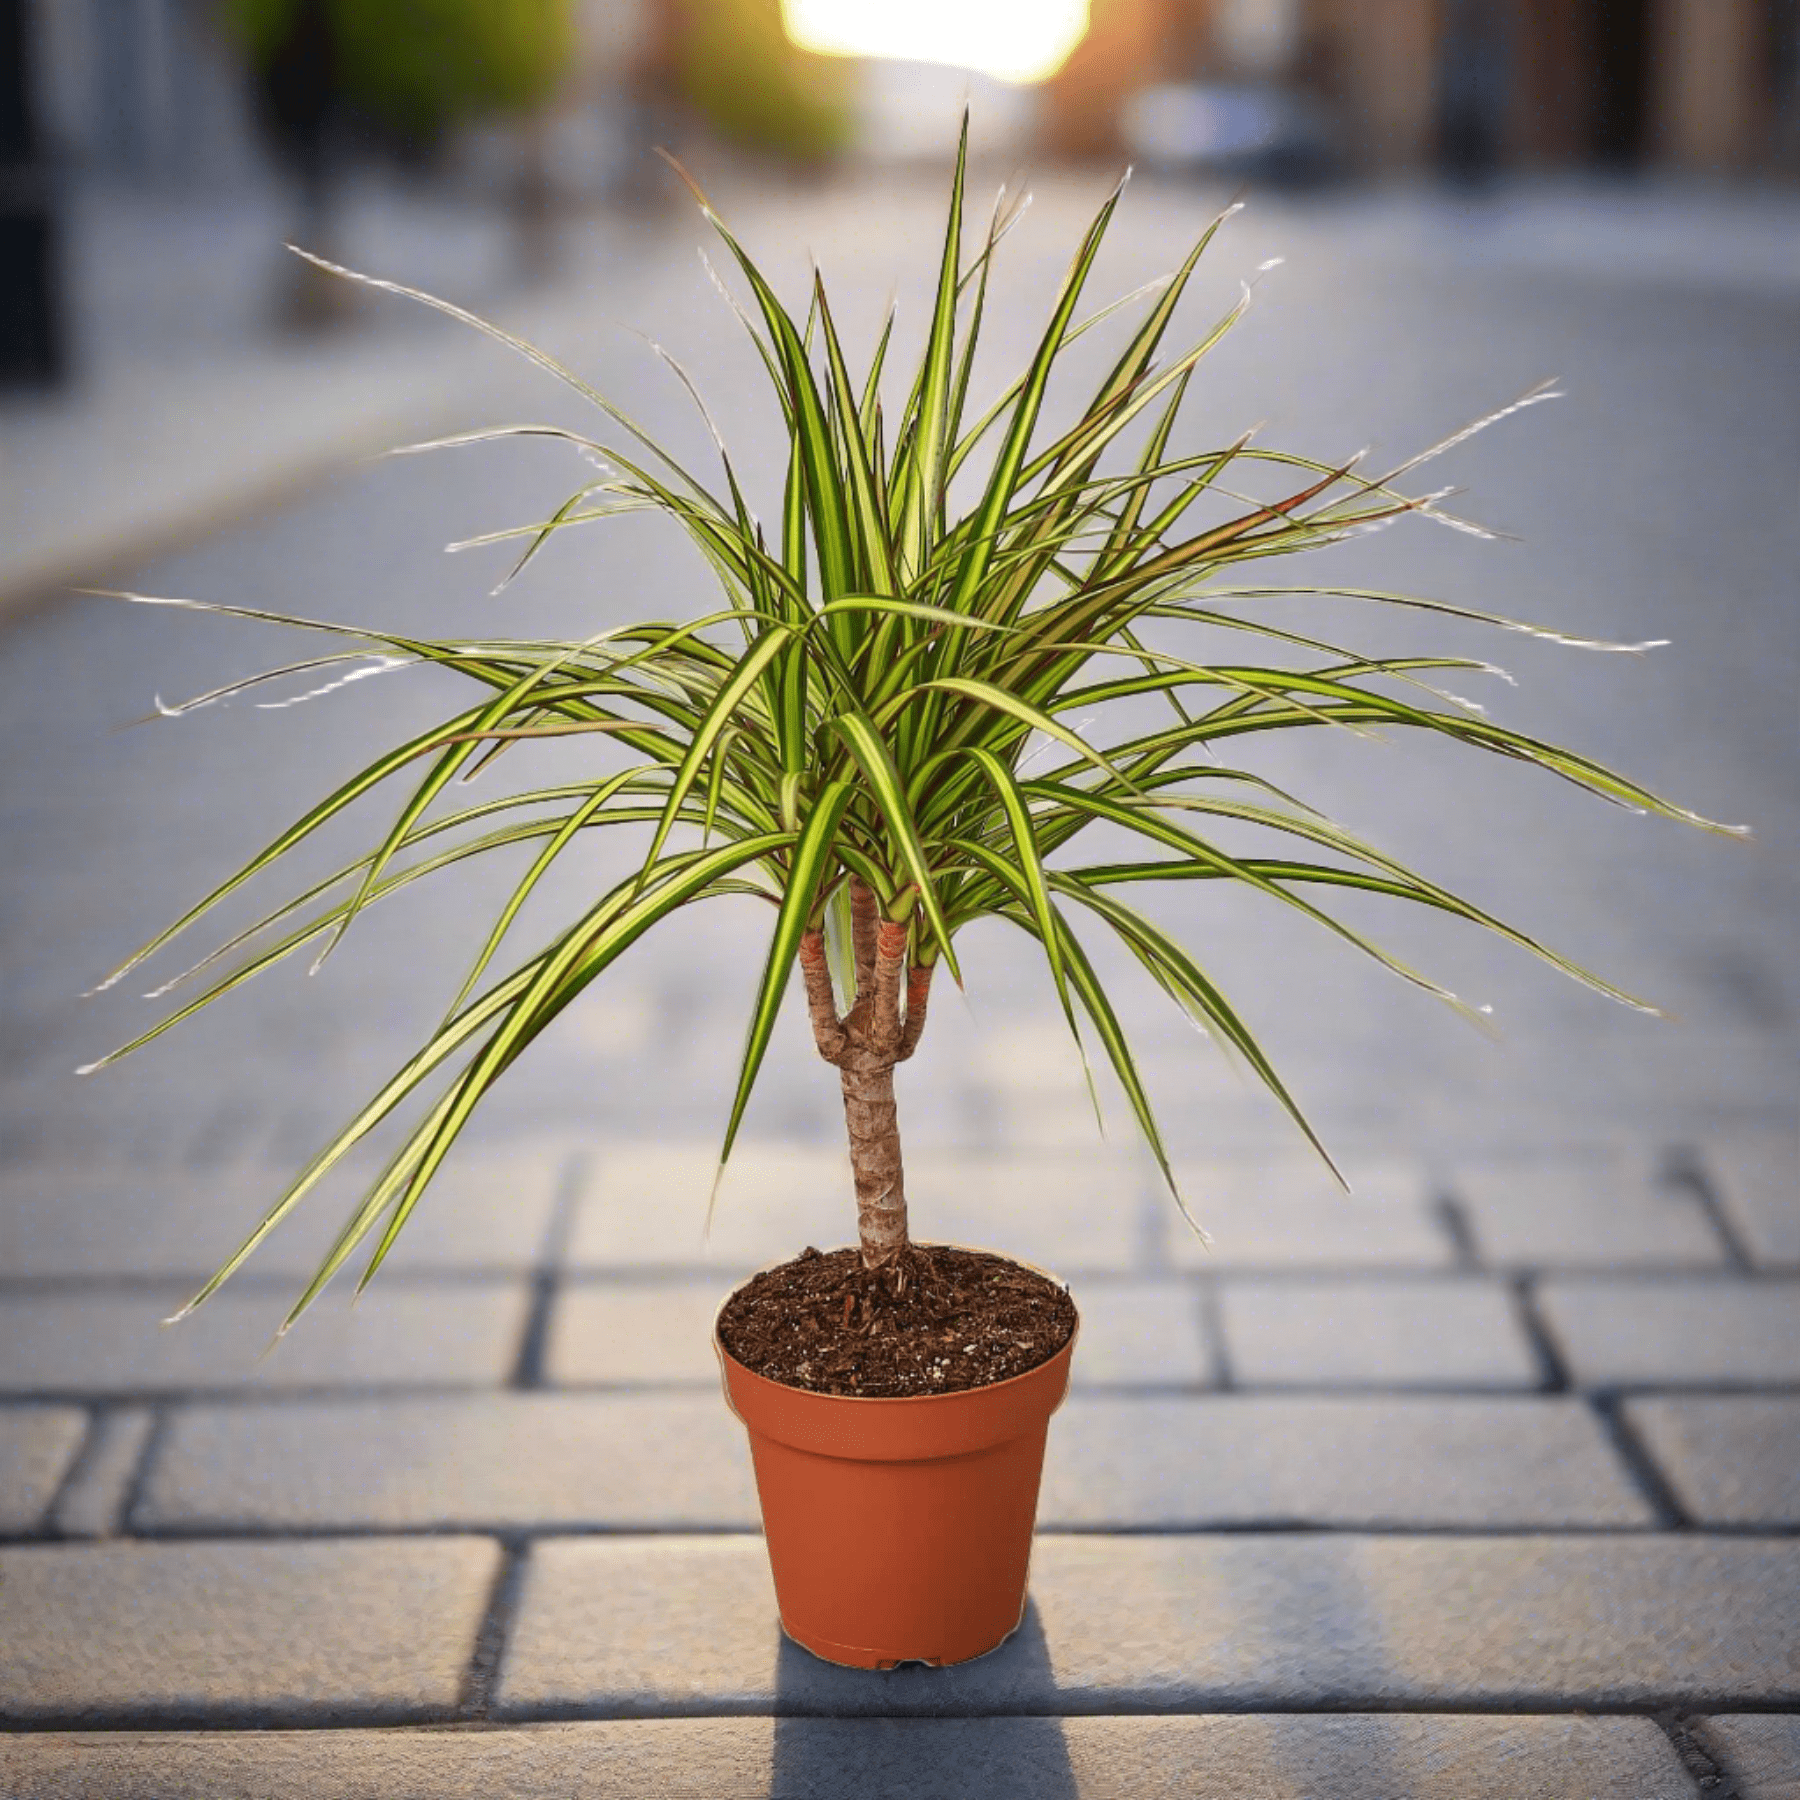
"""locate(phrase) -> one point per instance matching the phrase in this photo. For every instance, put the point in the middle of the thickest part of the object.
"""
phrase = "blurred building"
(139, 89)
(1705, 85)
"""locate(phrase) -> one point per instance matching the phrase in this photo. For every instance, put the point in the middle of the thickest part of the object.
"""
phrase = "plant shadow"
(918, 1733)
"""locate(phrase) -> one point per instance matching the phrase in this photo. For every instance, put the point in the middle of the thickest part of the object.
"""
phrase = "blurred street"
(1546, 1350)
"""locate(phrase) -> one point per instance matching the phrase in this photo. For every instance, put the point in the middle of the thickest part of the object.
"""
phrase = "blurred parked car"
(1256, 129)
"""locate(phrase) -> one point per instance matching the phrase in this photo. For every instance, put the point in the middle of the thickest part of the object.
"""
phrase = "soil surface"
(934, 1321)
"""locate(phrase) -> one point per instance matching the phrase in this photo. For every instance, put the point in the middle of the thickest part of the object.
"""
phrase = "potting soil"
(933, 1321)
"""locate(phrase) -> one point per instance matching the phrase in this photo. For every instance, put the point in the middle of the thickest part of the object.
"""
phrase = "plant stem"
(873, 1124)
(864, 1046)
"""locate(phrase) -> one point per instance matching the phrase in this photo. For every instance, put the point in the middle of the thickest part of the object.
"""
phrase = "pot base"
(858, 1656)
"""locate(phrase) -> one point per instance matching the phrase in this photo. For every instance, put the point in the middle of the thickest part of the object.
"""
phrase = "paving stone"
(1284, 1211)
(678, 1461)
(274, 1629)
(489, 1209)
(1582, 1212)
(1140, 1333)
(1076, 1211)
(1401, 1332)
(645, 1332)
(1353, 1756)
(1762, 1750)
(1676, 1331)
(1183, 1623)
(1757, 1180)
(1237, 1460)
(645, 1204)
(1731, 1459)
(456, 1333)
(37, 1446)
(93, 1503)
(648, 1462)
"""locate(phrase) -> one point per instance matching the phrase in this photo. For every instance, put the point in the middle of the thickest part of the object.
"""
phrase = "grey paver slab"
(457, 1333)
(1731, 1459)
(642, 1461)
(1075, 1211)
(1342, 1460)
(37, 1445)
(645, 1204)
(1183, 1623)
(93, 1503)
(1366, 1756)
(1284, 1211)
(489, 1208)
(1757, 1180)
(1430, 1332)
(678, 1460)
(1583, 1212)
(653, 1331)
(1762, 1750)
(1674, 1331)
(280, 1628)
(1140, 1332)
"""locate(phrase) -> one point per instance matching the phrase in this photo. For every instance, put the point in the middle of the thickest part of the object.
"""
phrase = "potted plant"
(856, 737)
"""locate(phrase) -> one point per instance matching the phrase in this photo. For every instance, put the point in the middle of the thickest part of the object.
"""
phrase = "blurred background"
(173, 138)
(1464, 197)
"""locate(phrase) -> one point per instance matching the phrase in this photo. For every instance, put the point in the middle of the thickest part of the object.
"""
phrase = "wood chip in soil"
(935, 1321)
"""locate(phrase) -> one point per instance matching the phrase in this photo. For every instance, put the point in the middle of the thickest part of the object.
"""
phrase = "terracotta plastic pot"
(899, 1530)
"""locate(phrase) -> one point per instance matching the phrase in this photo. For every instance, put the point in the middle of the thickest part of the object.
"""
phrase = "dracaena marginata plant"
(845, 736)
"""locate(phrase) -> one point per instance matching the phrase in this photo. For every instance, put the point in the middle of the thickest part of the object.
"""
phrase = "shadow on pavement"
(907, 1732)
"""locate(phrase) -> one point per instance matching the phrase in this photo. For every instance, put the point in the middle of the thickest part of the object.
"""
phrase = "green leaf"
(869, 749)
(812, 860)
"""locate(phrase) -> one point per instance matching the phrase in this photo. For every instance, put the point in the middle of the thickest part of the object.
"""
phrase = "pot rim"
(988, 1387)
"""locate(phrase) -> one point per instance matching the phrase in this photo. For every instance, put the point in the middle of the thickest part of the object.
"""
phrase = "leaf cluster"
(941, 702)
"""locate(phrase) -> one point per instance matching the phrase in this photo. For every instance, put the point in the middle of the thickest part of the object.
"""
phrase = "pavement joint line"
(1151, 1249)
(216, 1532)
(249, 1281)
(1684, 1169)
(226, 1722)
(1450, 1214)
(109, 1465)
(528, 1367)
(1709, 1774)
(252, 1396)
(79, 1464)
(140, 1478)
(495, 1631)
(1554, 1374)
(1639, 1464)
(349, 1392)
(651, 1274)
(1212, 1334)
(528, 1370)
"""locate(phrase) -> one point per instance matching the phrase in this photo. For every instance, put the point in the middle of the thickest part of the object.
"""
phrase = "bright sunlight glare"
(1012, 40)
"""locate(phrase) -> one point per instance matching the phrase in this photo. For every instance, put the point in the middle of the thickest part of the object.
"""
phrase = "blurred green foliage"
(420, 66)
(739, 67)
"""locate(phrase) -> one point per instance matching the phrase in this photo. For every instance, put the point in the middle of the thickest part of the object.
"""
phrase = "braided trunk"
(878, 1032)
(875, 1164)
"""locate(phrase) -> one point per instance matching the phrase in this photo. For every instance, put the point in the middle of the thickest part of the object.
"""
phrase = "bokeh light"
(1012, 40)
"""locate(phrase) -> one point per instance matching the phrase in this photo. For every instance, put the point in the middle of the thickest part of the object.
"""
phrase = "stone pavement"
(1480, 1482)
